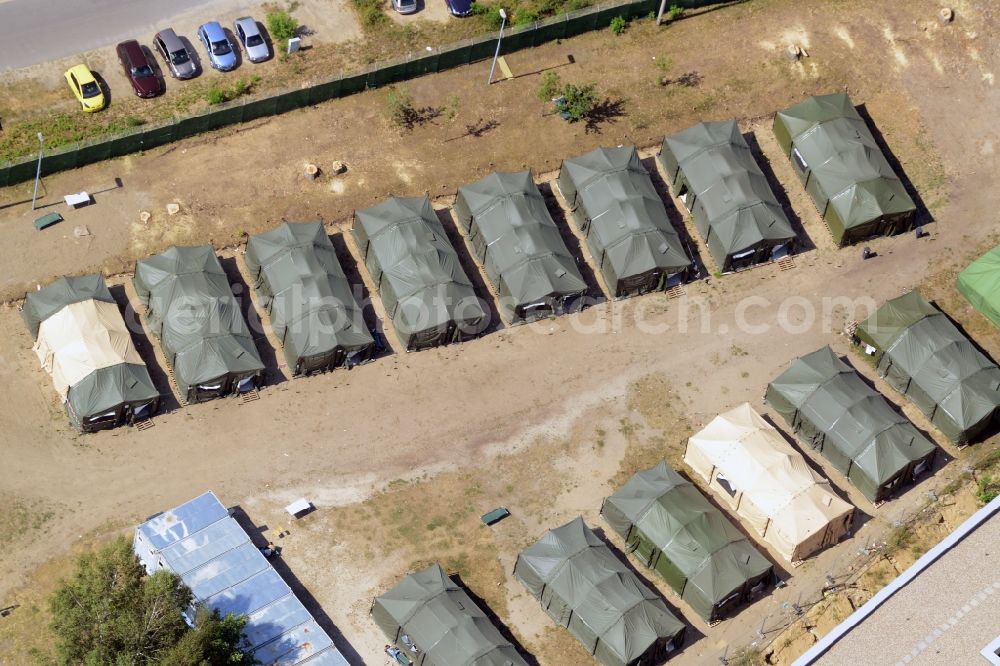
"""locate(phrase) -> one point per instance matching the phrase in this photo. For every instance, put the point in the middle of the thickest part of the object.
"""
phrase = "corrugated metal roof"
(214, 556)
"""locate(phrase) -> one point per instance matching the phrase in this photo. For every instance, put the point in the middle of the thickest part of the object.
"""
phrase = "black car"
(459, 7)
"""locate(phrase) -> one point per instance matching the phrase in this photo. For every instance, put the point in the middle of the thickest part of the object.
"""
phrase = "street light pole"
(503, 22)
(38, 171)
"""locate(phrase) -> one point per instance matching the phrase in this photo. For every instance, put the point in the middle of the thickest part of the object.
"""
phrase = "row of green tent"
(924, 356)
(83, 343)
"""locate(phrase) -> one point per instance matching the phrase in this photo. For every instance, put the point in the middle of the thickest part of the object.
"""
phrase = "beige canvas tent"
(757, 474)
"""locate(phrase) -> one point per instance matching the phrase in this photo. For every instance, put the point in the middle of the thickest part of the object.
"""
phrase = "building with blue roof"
(214, 556)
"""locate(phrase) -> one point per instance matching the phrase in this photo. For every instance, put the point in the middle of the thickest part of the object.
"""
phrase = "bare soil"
(401, 456)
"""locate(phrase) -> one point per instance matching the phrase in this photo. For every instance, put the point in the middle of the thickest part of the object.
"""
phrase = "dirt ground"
(401, 456)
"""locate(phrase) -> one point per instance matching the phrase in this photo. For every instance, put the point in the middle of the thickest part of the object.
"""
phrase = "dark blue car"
(459, 7)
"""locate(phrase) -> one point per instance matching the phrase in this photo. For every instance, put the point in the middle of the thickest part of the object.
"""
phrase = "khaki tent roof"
(714, 558)
(831, 406)
(775, 490)
(734, 208)
(625, 221)
(416, 271)
(41, 304)
(198, 321)
(852, 173)
(442, 621)
(980, 283)
(516, 240)
(926, 357)
(607, 607)
(303, 287)
(83, 343)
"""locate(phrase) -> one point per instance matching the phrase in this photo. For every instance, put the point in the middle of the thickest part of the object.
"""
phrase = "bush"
(675, 12)
(399, 104)
(580, 100)
(618, 25)
(490, 15)
(134, 121)
(215, 95)
(988, 489)
(550, 88)
(371, 14)
(282, 26)
(524, 17)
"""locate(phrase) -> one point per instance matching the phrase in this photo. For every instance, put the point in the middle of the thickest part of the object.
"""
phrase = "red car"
(139, 70)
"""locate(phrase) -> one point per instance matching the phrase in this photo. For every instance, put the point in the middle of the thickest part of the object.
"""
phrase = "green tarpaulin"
(711, 169)
(980, 283)
(89, 353)
(191, 309)
(617, 209)
(843, 169)
(925, 357)
(417, 273)
(831, 408)
(429, 612)
(584, 587)
(302, 285)
(670, 526)
(514, 237)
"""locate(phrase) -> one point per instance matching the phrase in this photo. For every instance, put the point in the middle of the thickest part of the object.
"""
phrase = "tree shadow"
(606, 112)
(497, 622)
(803, 242)
(690, 79)
(144, 345)
(477, 129)
(409, 117)
(307, 599)
(241, 292)
(923, 215)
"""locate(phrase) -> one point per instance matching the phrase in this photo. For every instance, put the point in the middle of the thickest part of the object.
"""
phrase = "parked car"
(85, 88)
(138, 69)
(220, 51)
(253, 42)
(404, 6)
(174, 54)
(459, 8)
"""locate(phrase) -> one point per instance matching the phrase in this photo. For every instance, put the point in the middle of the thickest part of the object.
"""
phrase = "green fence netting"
(596, 17)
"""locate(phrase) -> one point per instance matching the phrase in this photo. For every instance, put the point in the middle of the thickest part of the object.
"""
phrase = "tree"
(111, 612)
(282, 26)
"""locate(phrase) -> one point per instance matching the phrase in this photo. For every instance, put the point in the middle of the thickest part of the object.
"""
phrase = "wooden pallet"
(145, 424)
(249, 396)
(676, 292)
(786, 263)
(181, 399)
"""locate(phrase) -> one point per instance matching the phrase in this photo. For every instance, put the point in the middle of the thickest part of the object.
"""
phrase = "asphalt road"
(34, 31)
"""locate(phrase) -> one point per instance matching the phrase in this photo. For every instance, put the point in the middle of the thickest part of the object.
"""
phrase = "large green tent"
(843, 169)
(670, 526)
(191, 309)
(831, 408)
(417, 273)
(712, 170)
(514, 237)
(617, 209)
(435, 623)
(924, 356)
(302, 286)
(980, 283)
(83, 343)
(584, 587)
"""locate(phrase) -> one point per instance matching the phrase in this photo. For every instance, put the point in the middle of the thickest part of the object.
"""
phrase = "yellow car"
(85, 87)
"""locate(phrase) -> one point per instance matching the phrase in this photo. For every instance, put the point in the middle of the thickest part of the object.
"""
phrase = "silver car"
(175, 54)
(252, 41)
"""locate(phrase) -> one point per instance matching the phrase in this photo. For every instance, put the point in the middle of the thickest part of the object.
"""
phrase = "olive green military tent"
(617, 209)
(757, 474)
(843, 169)
(301, 284)
(191, 309)
(82, 342)
(711, 169)
(417, 273)
(670, 526)
(925, 357)
(980, 284)
(514, 237)
(585, 588)
(435, 623)
(831, 408)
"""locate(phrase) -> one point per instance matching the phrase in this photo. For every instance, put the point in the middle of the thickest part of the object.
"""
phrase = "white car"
(404, 6)
(253, 42)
